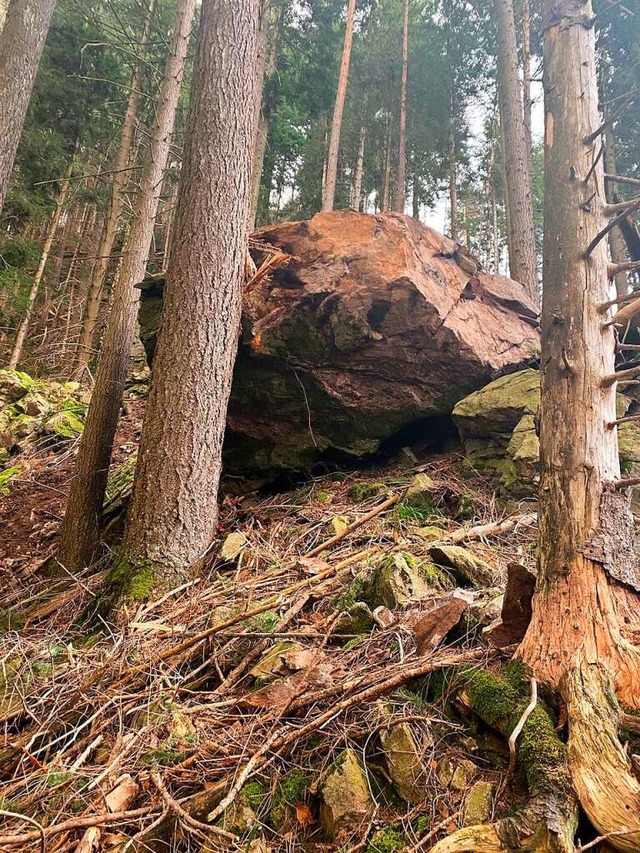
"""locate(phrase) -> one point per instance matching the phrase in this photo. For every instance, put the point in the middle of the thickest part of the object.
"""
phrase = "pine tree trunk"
(16, 353)
(386, 177)
(329, 194)
(80, 529)
(272, 16)
(522, 242)
(526, 79)
(4, 5)
(114, 209)
(21, 41)
(358, 175)
(402, 140)
(173, 512)
(453, 183)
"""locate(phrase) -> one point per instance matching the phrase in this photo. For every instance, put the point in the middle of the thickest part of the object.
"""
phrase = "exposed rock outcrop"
(371, 326)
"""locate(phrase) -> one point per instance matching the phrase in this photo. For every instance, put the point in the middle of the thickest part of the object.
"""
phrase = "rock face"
(372, 326)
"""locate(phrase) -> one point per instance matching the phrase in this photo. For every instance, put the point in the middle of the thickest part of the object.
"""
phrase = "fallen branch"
(496, 528)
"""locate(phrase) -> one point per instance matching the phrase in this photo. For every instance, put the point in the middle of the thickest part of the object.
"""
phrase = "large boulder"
(375, 323)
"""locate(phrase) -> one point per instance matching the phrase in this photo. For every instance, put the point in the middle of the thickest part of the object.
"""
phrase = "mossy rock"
(270, 664)
(344, 793)
(404, 762)
(14, 385)
(420, 493)
(478, 804)
(463, 565)
(64, 424)
(6, 477)
(360, 492)
(498, 406)
(401, 580)
(358, 619)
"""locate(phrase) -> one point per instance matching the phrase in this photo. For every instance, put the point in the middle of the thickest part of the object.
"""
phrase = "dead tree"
(580, 640)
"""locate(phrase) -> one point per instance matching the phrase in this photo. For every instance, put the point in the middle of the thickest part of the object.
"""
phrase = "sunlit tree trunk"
(21, 41)
(402, 139)
(61, 202)
(114, 209)
(172, 517)
(81, 526)
(517, 158)
(526, 78)
(329, 194)
(358, 175)
(453, 183)
(386, 175)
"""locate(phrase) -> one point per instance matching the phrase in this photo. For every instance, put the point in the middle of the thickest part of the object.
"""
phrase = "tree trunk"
(402, 140)
(16, 353)
(272, 16)
(173, 512)
(453, 182)
(4, 4)
(114, 208)
(329, 194)
(358, 175)
(579, 637)
(21, 41)
(526, 79)
(81, 526)
(522, 242)
(586, 604)
(386, 177)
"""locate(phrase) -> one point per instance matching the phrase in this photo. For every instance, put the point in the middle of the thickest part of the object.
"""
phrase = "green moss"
(64, 424)
(11, 620)
(358, 590)
(254, 794)
(131, 581)
(386, 840)
(363, 491)
(412, 514)
(55, 779)
(5, 478)
(290, 790)
(163, 756)
(500, 702)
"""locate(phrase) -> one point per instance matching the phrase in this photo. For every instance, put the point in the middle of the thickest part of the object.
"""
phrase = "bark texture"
(80, 529)
(172, 518)
(114, 208)
(329, 193)
(402, 139)
(21, 41)
(578, 607)
(358, 175)
(522, 242)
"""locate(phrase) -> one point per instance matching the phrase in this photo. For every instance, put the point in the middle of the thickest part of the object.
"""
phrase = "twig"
(432, 833)
(610, 226)
(174, 806)
(515, 734)
(73, 823)
(40, 834)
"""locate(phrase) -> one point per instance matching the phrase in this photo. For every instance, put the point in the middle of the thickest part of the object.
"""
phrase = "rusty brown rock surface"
(371, 326)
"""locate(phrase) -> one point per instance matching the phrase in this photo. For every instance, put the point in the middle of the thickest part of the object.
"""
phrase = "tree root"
(548, 823)
(608, 792)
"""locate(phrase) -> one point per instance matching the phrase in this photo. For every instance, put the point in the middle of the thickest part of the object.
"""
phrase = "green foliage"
(386, 840)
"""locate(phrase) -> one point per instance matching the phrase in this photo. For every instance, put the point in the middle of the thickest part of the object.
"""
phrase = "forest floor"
(301, 694)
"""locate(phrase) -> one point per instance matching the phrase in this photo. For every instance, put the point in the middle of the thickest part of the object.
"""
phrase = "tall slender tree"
(402, 136)
(517, 159)
(173, 512)
(114, 208)
(52, 231)
(329, 192)
(81, 526)
(21, 41)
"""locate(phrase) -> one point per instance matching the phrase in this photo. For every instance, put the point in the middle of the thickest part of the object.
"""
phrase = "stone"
(511, 626)
(271, 663)
(404, 762)
(338, 524)
(478, 804)
(463, 565)
(371, 326)
(34, 404)
(456, 775)
(345, 799)
(432, 626)
(430, 532)
(358, 619)
(232, 546)
(401, 580)
(420, 493)
(13, 386)
(63, 424)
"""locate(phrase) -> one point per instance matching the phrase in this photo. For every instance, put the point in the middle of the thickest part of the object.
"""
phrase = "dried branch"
(609, 227)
